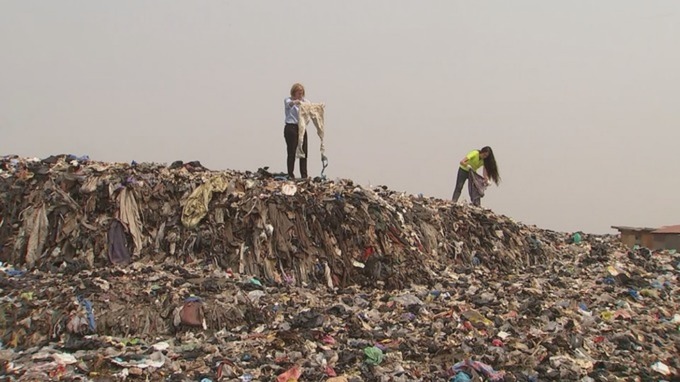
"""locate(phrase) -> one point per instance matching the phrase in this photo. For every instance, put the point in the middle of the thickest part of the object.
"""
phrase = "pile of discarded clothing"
(68, 214)
(143, 272)
(596, 315)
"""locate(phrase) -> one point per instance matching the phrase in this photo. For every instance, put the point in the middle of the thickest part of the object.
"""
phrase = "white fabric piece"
(310, 112)
(128, 214)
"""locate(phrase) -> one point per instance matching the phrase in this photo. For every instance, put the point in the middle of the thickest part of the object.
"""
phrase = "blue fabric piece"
(90, 314)
(71, 157)
(634, 294)
(14, 272)
(461, 377)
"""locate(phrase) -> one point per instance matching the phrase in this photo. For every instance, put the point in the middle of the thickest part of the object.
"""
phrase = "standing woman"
(290, 132)
(472, 162)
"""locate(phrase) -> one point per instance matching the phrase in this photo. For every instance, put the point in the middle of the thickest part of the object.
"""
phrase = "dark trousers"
(460, 182)
(290, 132)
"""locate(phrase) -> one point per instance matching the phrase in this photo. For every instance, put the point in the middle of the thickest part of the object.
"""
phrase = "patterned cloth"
(476, 186)
(480, 367)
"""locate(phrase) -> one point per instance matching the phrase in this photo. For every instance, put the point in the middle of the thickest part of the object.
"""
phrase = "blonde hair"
(296, 87)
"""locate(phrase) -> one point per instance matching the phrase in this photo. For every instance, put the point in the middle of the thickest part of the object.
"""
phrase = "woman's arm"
(465, 163)
(290, 101)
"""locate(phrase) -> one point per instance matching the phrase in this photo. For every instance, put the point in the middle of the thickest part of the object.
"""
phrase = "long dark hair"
(490, 164)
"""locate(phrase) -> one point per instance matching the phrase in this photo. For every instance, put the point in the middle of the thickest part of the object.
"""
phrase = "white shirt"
(292, 111)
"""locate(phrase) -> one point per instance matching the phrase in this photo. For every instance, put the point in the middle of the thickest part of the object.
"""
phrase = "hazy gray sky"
(579, 99)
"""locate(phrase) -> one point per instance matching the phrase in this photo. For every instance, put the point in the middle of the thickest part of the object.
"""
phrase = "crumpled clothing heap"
(321, 281)
(73, 216)
(570, 319)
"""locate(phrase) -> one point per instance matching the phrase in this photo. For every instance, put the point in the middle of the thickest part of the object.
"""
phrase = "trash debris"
(374, 355)
(289, 189)
(291, 375)
(336, 282)
(461, 377)
(87, 305)
(480, 367)
(136, 211)
(662, 368)
(154, 360)
(338, 379)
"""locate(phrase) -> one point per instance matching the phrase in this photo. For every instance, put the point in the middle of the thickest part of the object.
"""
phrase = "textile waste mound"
(141, 272)
(64, 215)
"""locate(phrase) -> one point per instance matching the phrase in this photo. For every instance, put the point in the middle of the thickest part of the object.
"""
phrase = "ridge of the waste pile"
(254, 222)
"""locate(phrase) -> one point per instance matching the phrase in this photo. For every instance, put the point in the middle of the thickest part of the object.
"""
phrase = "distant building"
(631, 236)
(667, 237)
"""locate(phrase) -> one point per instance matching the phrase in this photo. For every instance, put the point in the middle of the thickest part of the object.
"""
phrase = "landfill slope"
(63, 214)
(140, 272)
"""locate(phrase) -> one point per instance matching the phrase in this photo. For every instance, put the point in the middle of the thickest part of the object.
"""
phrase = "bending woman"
(290, 131)
(472, 162)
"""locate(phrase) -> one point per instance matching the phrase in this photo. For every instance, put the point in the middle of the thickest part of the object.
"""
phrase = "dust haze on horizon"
(579, 99)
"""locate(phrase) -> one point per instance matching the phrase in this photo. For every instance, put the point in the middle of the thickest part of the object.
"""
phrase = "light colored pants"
(310, 112)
